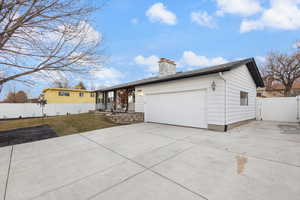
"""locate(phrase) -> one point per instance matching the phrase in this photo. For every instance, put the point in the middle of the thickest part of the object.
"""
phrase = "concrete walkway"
(260, 160)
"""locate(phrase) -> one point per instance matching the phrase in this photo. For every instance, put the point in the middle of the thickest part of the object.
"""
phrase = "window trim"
(244, 98)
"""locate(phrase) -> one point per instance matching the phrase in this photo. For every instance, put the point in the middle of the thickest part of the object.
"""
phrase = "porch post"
(105, 100)
(127, 100)
(115, 99)
(96, 100)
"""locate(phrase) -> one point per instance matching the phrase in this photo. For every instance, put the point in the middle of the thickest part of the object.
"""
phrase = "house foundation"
(125, 118)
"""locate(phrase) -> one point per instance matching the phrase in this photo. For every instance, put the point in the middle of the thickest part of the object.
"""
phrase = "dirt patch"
(24, 135)
(241, 162)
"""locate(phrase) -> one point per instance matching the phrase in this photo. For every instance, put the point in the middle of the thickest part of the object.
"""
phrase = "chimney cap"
(167, 61)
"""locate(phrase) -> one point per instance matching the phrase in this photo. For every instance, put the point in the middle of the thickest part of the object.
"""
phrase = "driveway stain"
(289, 129)
(241, 162)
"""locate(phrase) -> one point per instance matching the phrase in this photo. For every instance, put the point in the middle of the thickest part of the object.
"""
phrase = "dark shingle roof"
(250, 63)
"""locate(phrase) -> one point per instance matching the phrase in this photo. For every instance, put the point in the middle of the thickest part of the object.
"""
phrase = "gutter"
(225, 100)
(165, 79)
(250, 63)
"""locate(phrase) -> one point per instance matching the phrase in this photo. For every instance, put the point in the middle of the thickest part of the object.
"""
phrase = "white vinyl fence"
(16, 110)
(282, 109)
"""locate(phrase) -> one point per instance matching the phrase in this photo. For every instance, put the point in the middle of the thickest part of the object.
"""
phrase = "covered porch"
(117, 100)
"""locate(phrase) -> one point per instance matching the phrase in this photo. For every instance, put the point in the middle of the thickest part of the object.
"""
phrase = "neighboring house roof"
(34, 100)
(280, 86)
(66, 89)
(250, 63)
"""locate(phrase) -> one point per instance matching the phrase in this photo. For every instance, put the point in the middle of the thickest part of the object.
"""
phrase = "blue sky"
(194, 33)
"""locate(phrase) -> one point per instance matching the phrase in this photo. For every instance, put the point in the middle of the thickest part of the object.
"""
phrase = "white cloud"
(83, 31)
(249, 25)
(159, 13)
(86, 31)
(107, 73)
(283, 14)
(91, 35)
(100, 84)
(134, 20)
(261, 59)
(150, 62)
(42, 77)
(296, 45)
(190, 58)
(107, 83)
(202, 18)
(106, 76)
(240, 7)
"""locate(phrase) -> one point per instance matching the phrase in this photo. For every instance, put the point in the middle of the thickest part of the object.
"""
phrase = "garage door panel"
(185, 108)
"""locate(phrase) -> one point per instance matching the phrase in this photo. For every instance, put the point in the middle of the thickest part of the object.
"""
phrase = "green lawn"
(62, 125)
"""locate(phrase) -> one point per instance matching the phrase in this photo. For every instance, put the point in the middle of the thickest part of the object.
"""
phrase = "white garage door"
(185, 108)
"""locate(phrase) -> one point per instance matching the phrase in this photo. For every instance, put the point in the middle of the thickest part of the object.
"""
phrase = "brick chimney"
(166, 67)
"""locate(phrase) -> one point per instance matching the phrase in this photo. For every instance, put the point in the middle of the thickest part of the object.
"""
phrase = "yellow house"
(64, 95)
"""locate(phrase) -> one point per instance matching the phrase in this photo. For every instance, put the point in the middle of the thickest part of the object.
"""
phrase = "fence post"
(258, 109)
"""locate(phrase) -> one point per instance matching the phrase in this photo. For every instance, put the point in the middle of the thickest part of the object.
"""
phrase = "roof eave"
(250, 63)
(257, 77)
(165, 80)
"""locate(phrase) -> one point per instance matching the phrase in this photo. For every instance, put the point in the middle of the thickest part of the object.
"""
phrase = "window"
(81, 94)
(92, 94)
(100, 98)
(63, 93)
(110, 97)
(131, 97)
(244, 98)
(259, 94)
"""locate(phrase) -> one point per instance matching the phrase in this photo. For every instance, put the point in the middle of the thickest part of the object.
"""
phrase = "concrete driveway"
(260, 160)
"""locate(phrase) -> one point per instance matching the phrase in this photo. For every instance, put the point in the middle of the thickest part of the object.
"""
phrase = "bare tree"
(45, 36)
(61, 84)
(16, 97)
(283, 68)
(1, 76)
(60, 80)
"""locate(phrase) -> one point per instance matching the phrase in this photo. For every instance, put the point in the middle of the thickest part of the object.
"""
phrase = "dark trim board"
(176, 125)
(213, 127)
(237, 124)
(225, 128)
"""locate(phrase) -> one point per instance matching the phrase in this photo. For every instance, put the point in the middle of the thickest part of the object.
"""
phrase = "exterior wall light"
(213, 86)
(140, 93)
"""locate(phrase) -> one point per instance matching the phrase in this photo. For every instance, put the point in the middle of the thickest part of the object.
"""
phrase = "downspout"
(225, 100)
